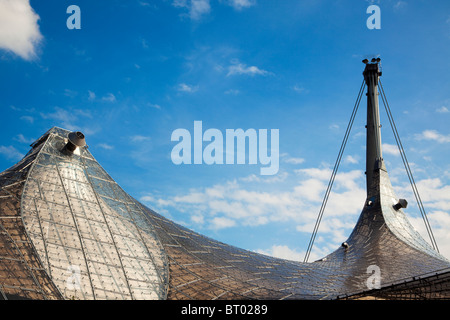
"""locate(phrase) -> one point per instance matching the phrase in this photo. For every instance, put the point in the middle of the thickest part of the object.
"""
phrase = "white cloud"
(83, 113)
(196, 8)
(109, 98)
(91, 95)
(241, 4)
(334, 126)
(294, 160)
(144, 44)
(434, 193)
(70, 93)
(300, 89)
(221, 222)
(311, 190)
(106, 146)
(351, 159)
(283, 252)
(199, 8)
(139, 138)
(266, 179)
(399, 5)
(19, 30)
(442, 109)
(11, 153)
(21, 138)
(239, 203)
(59, 115)
(152, 105)
(183, 87)
(232, 92)
(433, 135)
(67, 118)
(29, 119)
(316, 173)
(390, 149)
(180, 3)
(240, 68)
(435, 196)
(439, 221)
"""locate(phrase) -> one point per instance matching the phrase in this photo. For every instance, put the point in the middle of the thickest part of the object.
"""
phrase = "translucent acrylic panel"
(86, 209)
(93, 169)
(87, 239)
(79, 190)
(44, 160)
(48, 174)
(102, 187)
(72, 171)
(52, 192)
(69, 271)
(54, 145)
(119, 207)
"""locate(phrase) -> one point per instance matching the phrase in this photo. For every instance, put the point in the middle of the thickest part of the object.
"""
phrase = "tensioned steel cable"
(333, 175)
(408, 169)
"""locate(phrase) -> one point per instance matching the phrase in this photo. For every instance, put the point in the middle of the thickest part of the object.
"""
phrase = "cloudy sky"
(139, 69)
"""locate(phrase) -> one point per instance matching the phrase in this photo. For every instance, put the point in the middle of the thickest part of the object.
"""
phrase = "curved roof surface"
(68, 230)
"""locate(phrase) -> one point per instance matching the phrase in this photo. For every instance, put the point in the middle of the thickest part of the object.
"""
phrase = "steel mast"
(374, 158)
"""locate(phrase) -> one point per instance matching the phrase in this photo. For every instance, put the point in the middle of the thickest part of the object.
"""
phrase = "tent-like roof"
(69, 231)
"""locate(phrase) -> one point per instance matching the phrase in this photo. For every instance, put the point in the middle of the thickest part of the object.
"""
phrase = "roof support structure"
(374, 156)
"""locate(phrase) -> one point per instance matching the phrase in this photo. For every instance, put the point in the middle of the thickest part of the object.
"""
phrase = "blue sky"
(139, 69)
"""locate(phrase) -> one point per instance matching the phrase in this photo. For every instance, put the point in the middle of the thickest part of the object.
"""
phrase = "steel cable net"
(68, 231)
(21, 274)
(92, 239)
